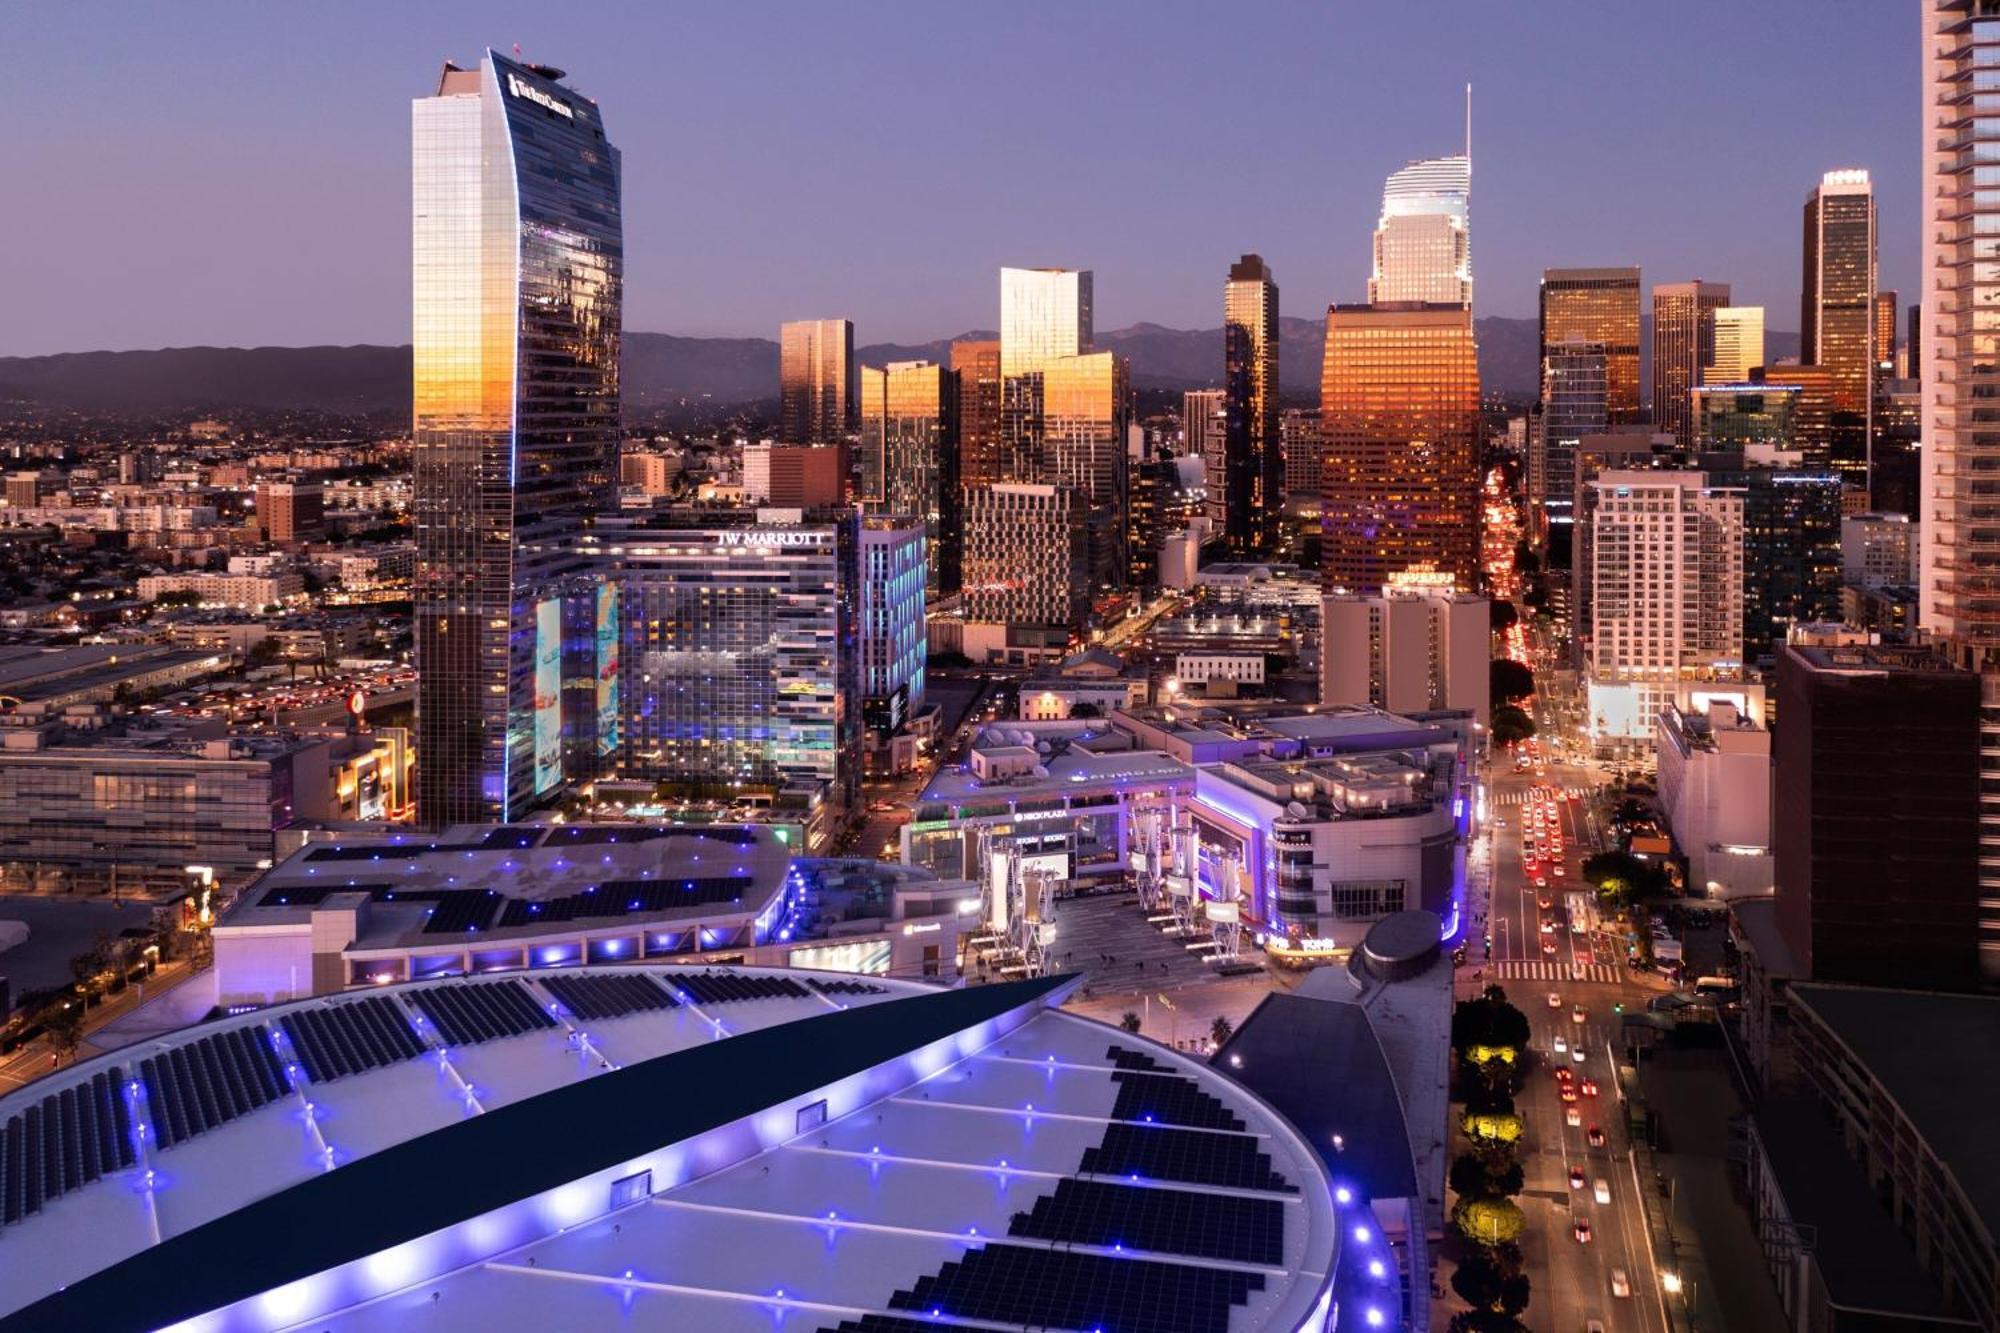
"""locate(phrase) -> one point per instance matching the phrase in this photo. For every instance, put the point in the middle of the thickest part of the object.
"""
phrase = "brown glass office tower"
(1683, 347)
(1399, 424)
(1598, 305)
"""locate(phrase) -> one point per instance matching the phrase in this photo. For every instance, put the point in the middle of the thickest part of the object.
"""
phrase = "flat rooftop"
(1073, 769)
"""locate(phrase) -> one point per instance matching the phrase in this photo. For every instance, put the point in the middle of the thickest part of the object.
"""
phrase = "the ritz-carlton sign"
(538, 97)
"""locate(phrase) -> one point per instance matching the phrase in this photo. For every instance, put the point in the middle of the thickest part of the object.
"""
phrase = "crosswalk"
(1519, 795)
(1512, 969)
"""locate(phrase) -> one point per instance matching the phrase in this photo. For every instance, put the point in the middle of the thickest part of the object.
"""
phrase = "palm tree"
(1130, 1022)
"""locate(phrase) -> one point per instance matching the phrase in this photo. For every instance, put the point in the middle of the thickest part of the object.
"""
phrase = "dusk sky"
(239, 174)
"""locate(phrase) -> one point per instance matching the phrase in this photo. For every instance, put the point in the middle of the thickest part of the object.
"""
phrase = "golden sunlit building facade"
(1739, 344)
(1399, 425)
(1251, 472)
(909, 435)
(1598, 305)
(1837, 295)
(1683, 349)
(816, 395)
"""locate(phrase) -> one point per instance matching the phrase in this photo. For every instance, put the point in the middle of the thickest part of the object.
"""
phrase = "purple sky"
(238, 174)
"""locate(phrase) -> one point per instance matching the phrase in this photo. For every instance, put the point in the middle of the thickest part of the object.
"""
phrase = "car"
(1621, 1285)
(1594, 1136)
(1590, 1087)
(1544, 902)
(1600, 1190)
(1572, 1117)
(1548, 948)
(1548, 927)
(1541, 881)
(1560, 1044)
(1568, 1092)
(1576, 1054)
(1563, 1074)
(1555, 1000)
(1576, 1177)
(1582, 1232)
(1557, 870)
(1576, 1013)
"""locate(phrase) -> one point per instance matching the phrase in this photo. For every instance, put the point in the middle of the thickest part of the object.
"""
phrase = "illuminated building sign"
(608, 636)
(770, 537)
(539, 98)
(548, 694)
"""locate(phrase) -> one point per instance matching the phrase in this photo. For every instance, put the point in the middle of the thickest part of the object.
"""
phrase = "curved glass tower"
(517, 264)
(1423, 242)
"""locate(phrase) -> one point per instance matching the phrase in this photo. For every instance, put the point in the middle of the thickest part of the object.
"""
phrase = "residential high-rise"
(1683, 347)
(1877, 832)
(1837, 292)
(1960, 288)
(981, 445)
(291, 511)
(1598, 305)
(817, 403)
(1085, 409)
(1027, 571)
(1253, 463)
(890, 638)
(1574, 403)
(1622, 450)
(1887, 307)
(1423, 243)
(910, 454)
(1739, 344)
(1791, 539)
(517, 264)
(1202, 426)
(1878, 550)
(1666, 596)
(1408, 648)
(1298, 435)
(1399, 425)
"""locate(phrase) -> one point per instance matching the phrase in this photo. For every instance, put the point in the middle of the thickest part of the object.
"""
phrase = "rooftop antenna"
(1468, 129)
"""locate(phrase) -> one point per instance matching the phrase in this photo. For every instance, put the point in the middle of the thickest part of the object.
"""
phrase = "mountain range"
(663, 370)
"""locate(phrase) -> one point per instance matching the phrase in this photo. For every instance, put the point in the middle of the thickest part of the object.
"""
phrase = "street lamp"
(1672, 1282)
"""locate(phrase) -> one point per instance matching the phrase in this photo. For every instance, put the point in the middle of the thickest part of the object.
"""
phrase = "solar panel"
(881, 1323)
(349, 1037)
(469, 1012)
(595, 998)
(1169, 1099)
(845, 987)
(1125, 1059)
(625, 897)
(1167, 1221)
(727, 987)
(195, 1087)
(1192, 1156)
(1023, 1286)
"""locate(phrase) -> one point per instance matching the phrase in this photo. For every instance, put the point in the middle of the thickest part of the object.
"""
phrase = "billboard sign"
(548, 694)
(608, 637)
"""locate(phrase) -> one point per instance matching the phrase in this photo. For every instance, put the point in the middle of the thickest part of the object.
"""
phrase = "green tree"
(1624, 879)
(1129, 1021)
(1510, 680)
(64, 1023)
(1221, 1030)
(1511, 726)
(1504, 614)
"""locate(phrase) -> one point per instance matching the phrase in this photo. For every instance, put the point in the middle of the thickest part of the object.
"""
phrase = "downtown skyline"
(739, 164)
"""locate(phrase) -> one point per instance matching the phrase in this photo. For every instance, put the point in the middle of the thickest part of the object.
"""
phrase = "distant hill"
(662, 369)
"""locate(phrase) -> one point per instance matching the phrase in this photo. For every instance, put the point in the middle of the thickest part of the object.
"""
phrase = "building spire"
(1468, 130)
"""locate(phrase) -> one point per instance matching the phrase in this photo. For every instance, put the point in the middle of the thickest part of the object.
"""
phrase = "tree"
(1129, 1021)
(1511, 726)
(1526, 562)
(1625, 879)
(1483, 1321)
(1221, 1030)
(1085, 710)
(64, 1023)
(1510, 680)
(1489, 1222)
(1504, 615)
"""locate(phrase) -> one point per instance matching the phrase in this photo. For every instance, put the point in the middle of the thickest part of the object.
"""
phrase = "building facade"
(1878, 550)
(1683, 350)
(1027, 570)
(1252, 472)
(1298, 435)
(1423, 240)
(1597, 305)
(892, 641)
(1575, 402)
(1837, 288)
(976, 364)
(910, 455)
(817, 401)
(1714, 757)
(518, 268)
(1739, 344)
(1085, 409)
(1408, 649)
(1399, 421)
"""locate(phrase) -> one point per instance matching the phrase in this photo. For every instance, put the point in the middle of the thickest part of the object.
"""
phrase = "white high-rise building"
(1666, 574)
(1413, 647)
(1739, 345)
(1878, 550)
(1423, 245)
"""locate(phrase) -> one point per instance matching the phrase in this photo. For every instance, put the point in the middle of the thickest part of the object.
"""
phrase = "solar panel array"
(724, 987)
(476, 1011)
(881, 1323)
(63, 1142)
(845, 987)
(1191, 1156)
(1169, 1099)
(599, 835)
(350, 1037)
(199, 1085)
(595, 998)
(624, 897)
(1167, 1221)
(1125, 1059)
(1027, 1287)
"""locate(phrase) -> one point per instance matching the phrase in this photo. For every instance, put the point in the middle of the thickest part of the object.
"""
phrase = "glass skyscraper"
(1683, 349)
(1598, 305)
(1252, 471)
(517, 266)
(1423, 241)
(816, 399)
(909, 436)
(1837, 292)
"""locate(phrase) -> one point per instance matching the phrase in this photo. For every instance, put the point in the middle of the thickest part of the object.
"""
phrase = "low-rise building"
(1714, 758)
(251, 591)
(1409, 648)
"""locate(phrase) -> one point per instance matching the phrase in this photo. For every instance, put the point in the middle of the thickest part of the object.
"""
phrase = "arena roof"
(665, 1147)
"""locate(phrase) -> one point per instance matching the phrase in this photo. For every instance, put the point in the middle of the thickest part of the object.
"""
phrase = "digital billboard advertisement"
(548, 694)
(607, 669)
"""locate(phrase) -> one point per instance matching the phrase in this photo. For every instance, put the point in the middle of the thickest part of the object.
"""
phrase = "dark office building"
(1791, 547)
(1876, 816)
(1253, 470)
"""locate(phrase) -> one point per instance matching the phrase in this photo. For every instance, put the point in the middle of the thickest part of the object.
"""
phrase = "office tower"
(1399, 421)
(740, 660)
(1913, 345)
(1085, 409)
(1666, 597)
(1202, 425)
(1574, 403)
(817, 403)
(517, 266)
(1791, 541)
(1878, 550)
(1044, 313)
(1621, 450)
(909, 435)
(1745, 417)
(291, 511)
(1027, 570)
(1598, 305)
(806, 476)
(1894, 455)
(1886, 308)
(1408, 648)
(891, 638)
(1253, 464)
(1960, 286)
(1739, 344)
(1423, 245)
(1169, 496)
(980, 444)
(1298, 435)
(1683, 347)
(1837, 292)
(1877, 828)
